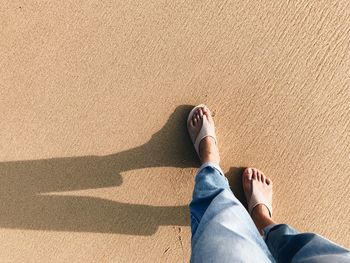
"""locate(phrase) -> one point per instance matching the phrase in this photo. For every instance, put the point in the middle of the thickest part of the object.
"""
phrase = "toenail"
(249, 171)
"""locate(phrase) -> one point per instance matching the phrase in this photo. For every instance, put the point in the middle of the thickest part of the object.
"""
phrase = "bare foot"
(260, 214)
(208, 150)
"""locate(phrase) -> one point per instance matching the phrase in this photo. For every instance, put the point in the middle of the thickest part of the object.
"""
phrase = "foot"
(208, 150)
(254, 178)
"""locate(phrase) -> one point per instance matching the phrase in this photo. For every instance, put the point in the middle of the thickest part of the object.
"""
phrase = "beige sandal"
(207, 129)
(258, 198)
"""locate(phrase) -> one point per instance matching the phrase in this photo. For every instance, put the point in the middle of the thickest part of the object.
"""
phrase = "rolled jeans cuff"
(213, 165)
(267, 229)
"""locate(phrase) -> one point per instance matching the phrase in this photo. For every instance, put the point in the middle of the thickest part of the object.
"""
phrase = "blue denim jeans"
(223, 231)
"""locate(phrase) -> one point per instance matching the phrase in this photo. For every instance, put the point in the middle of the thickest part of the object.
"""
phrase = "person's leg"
(208, 150)
(222, 230)
(285, 243)
(288, 245)
(260, 214)
(208, 182)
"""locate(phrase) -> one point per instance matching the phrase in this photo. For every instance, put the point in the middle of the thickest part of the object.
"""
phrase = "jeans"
(223, 231)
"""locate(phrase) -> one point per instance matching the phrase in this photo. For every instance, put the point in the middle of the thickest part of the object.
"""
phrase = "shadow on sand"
(23, 183)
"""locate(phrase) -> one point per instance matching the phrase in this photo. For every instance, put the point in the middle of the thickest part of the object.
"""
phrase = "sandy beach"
(95, 161)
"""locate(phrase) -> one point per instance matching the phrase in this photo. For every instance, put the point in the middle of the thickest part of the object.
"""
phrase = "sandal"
(257, 198)
(207, 129)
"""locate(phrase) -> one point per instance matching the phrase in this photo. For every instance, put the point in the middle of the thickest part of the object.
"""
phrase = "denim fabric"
(223, 231)
(288, 245)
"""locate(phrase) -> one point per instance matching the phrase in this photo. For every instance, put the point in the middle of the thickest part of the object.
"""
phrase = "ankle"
(209, 151)
(210, 158)
(261, 217)
(260, 211)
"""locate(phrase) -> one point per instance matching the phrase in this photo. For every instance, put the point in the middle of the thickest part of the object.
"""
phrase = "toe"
(254, 176)
(193, 116)
(248, 173)
(258, 175)
(268, 181)
(247, 183)
(201, 112)
(207, 113)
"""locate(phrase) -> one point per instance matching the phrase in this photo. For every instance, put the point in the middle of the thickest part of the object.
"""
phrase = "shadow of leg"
(88, 214)
(234, 176)
(23, 184)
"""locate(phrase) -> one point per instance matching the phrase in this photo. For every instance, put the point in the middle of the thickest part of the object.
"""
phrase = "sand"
(95, 161)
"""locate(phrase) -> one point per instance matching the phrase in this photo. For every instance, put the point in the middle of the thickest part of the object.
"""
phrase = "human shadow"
(234, 176)
(25, 203)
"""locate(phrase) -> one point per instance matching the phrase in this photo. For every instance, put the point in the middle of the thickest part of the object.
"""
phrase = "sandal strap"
(207, 130)
(258, 198)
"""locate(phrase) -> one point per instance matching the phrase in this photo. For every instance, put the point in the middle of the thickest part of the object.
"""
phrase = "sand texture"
(95, 161)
